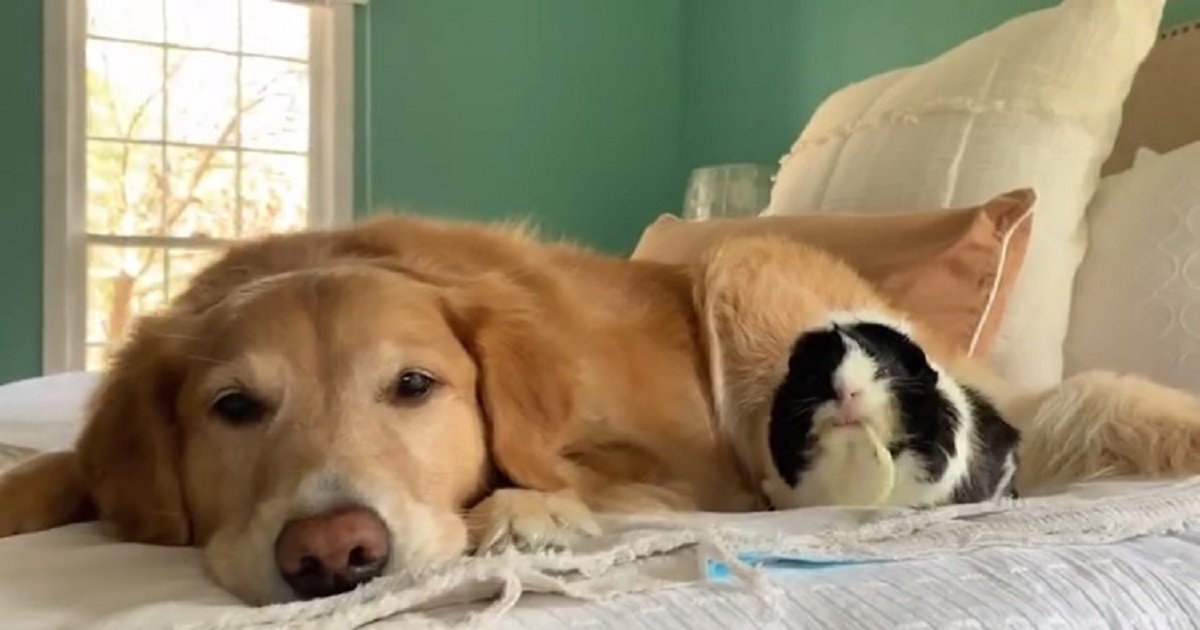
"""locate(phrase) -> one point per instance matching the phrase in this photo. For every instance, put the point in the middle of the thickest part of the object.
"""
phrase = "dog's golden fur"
(568, 383)
(576, 379)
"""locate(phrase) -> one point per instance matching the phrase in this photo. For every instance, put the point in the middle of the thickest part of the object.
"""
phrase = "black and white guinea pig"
(864, 418)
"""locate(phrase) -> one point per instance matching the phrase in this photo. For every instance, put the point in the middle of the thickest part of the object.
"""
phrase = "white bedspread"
(1116, 554)
(44, 413)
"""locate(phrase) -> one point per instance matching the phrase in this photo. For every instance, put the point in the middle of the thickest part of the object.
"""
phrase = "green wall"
(567, 111)
(754, 70)
(588, 114)
(21, 190)
(584, 114)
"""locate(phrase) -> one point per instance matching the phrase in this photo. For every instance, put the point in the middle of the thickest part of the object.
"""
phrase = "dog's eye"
(412, 385)
(238, 407)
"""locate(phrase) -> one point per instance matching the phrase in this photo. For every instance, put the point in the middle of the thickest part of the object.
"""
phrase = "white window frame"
(64, 276)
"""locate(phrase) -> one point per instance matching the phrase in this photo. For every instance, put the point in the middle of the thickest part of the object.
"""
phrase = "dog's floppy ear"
(130, 451)
(526, 377)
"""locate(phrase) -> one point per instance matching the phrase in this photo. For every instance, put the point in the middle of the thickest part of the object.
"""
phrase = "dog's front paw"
(529, 520)
(41, 492)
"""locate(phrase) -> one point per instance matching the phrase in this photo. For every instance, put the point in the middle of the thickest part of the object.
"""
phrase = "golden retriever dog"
(320, 409)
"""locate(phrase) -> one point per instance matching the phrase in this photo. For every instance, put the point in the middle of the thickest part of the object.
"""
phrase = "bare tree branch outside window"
(198, 133)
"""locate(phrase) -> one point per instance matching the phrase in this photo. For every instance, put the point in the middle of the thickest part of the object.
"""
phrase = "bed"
(1118, 553)
(1133, 561)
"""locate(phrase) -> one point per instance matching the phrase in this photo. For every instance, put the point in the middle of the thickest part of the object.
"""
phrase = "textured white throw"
(79, 577)
(646, 554)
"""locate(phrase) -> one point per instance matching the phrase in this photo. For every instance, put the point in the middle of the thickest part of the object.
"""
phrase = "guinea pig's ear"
(525, 381)
(913, 358)
(816, 350)
(130, 450)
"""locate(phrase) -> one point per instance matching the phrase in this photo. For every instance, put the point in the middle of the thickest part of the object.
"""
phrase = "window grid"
(164, 144)
(237, 132)
(102, 155)
(183, 144)
(177, 47)
(163, 244)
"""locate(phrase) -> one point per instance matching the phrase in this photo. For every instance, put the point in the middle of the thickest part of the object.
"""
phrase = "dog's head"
(313, 429)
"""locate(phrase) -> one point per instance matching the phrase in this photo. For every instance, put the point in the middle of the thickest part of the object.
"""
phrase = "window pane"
(124, 188)
(115, 18)
(202, 97)
(124, 90)
(203, 23)
(203, 196)
(274, 193)
(122, 284)
(97, 358)
(183, 264)
(275, 28)
(187, 143)
(275, 101)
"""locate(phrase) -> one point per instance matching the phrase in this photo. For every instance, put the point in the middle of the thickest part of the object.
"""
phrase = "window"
(186, 125)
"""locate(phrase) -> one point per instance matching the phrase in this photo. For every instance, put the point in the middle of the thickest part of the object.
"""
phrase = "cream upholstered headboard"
(1163, 108)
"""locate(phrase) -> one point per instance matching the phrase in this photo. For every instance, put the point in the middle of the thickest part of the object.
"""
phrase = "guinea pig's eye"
(237, 407)
(412, 385)
(881, 372)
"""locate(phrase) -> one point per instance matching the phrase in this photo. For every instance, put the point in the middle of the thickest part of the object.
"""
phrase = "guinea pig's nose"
(332, 552)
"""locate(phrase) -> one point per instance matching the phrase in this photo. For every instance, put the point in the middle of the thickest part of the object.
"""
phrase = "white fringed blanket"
(752, 554)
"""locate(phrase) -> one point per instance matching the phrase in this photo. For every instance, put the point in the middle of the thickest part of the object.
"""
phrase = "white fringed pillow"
(1035, 102)
(1137, 294)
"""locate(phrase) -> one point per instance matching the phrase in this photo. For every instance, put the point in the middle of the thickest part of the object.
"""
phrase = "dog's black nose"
(333, 552)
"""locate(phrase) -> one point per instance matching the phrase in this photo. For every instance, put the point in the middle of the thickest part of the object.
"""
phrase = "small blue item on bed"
(717, 570)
